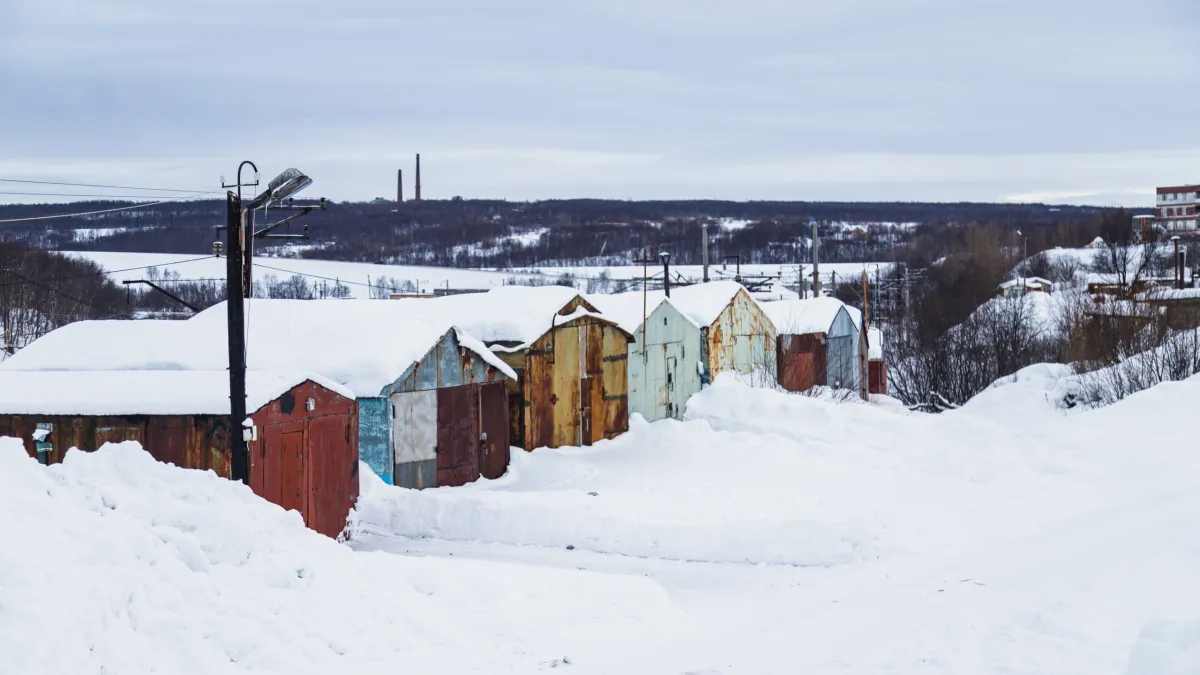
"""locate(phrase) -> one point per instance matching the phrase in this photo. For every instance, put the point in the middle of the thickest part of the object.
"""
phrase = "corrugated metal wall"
(413, 397)
(375, 435)
(842, 353)
(742, 339)
(878, 377)
(188, 441)
(801, 361)
(664, 374)
(576, 384)
(304, 460)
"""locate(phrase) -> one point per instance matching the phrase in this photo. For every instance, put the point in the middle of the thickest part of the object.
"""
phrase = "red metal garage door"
(493, 414)
(457, 435)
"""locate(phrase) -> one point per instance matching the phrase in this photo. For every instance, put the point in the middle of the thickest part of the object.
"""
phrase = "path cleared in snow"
(1006, 537)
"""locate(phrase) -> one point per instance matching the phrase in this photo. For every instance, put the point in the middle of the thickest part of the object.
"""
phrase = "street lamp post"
(240, 235)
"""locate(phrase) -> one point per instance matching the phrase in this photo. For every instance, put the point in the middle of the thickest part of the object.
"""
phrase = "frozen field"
(357, 276)
(767, 533)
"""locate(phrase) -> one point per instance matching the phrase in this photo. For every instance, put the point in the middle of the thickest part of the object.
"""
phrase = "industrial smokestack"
(400, 185)
(418, 188)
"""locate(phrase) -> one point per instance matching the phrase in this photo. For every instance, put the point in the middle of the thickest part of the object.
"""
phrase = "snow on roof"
(700, 303)
(364, 344)
(1028, 282)
(874, 343)
(518, 314)
(1165, 293)
(141, 392)
(109, 345)
(626, 309)
(801, 317)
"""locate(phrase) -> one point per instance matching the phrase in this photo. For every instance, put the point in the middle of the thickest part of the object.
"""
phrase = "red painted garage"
(305, 458)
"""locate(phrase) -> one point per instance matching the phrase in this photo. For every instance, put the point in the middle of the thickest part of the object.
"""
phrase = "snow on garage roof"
(357, 343)
(141, 392)
(801, 317)
(112, 345)
(364, 344)
(700, 303)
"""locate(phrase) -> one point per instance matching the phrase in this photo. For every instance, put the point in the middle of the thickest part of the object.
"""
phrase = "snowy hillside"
(767, 533)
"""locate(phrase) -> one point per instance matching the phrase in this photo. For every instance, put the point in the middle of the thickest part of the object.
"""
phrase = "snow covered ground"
(766, 533)
(358, 275)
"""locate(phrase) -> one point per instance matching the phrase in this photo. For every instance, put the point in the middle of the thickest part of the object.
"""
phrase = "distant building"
(1175, 207)
(1015, 288)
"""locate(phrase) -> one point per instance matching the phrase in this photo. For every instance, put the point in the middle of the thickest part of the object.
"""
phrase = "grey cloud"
(867, 99)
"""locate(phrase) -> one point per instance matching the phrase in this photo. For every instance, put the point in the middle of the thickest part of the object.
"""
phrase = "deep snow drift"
(766, 533)
(114, 563)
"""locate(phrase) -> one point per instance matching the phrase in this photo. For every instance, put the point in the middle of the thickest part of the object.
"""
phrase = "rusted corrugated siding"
(801, 361)
(446, 364)
(583, 356)
(613, 417)
(878, 377)
(188, 441)
(742, 338)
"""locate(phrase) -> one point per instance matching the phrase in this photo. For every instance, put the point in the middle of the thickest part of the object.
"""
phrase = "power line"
(92, 213)
(77, 194)
(65, 295)
(107, 272)
(91, 185)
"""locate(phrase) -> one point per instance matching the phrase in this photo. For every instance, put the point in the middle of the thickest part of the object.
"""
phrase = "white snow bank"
(1034, 392)
(121, 564)
(142, 392)
(1166, 648)
(753, 475)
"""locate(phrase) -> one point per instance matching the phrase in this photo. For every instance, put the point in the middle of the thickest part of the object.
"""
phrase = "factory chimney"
(418, 188)
(400, 185)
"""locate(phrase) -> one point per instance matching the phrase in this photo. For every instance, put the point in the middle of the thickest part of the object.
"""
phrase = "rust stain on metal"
(742, 338)
(575, 384)
(327, 475)
(801, 361)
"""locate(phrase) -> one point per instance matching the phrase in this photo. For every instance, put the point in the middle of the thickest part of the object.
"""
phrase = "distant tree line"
(499, 234)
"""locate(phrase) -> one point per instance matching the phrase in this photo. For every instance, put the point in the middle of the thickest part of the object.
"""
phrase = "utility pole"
(816, 261)
(666, 262)
(864, 350)
(239, 465)
(704, 247)
(645, 260)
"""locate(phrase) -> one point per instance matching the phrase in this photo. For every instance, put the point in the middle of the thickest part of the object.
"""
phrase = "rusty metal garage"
(305, 456)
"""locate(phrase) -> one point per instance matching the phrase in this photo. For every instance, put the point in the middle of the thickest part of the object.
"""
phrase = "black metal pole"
(666, 261)
(239, 458)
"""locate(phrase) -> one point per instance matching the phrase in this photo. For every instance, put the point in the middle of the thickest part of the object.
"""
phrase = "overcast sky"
(1078, 101)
